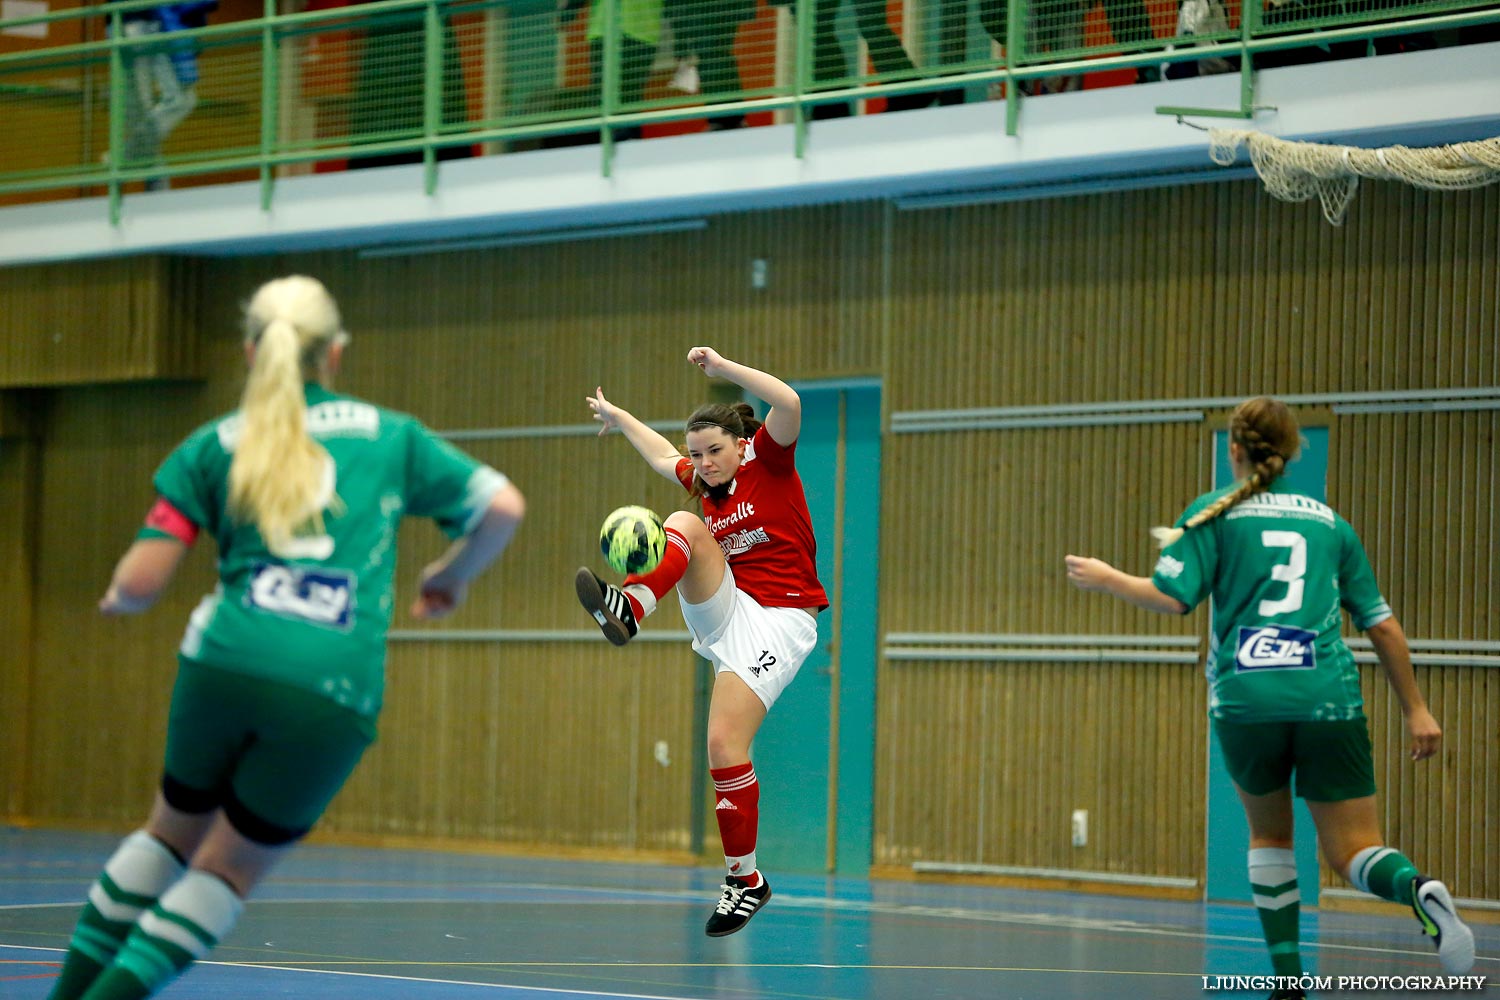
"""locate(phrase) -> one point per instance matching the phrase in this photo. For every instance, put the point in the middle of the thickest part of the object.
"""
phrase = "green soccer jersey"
(1278, 565)
(318, 620)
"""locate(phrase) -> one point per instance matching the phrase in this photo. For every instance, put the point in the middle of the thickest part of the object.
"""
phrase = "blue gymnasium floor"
(384, 924)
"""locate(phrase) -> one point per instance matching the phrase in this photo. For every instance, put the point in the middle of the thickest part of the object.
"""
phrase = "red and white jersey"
(764, 527)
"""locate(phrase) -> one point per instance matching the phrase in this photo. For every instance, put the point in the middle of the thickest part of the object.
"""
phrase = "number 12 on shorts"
(765, 660)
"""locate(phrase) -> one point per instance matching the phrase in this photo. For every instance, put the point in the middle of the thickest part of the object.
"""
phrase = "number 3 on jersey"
(1289, 572)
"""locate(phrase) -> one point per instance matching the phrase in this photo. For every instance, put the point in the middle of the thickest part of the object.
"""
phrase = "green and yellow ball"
(632, 540)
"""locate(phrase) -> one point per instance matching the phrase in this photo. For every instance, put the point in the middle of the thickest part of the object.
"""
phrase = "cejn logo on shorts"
(317, 596)
(1275, 647)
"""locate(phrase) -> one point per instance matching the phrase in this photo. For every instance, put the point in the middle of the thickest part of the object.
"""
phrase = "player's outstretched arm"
(784, 419)
(1087, 573)
(658, 452)
(445, 582)
(141, 575)
(1392, 650)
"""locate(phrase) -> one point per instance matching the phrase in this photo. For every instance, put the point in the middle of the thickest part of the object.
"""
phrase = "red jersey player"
(746, 574)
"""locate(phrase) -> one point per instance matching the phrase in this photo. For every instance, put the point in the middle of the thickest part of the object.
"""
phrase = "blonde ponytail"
(1166, 536)
(279, 478)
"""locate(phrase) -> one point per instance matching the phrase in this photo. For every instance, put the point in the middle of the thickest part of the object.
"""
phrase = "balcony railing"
(97, 100)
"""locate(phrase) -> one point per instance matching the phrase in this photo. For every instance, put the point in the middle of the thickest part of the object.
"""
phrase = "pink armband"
(168, 519)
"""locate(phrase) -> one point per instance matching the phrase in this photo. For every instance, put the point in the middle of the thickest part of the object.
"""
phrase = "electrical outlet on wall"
(1080, 827)
(760, 273)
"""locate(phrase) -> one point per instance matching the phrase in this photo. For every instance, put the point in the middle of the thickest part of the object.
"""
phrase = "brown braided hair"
(737, 420)
(1267, 429)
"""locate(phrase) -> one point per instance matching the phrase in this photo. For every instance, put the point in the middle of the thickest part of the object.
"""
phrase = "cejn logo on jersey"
(1276, 647)
(316, 596)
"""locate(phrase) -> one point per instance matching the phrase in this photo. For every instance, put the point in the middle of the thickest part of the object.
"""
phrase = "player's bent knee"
(726, 748)
(687, 524)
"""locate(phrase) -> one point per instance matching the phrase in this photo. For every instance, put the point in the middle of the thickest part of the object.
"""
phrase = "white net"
(1298, 171)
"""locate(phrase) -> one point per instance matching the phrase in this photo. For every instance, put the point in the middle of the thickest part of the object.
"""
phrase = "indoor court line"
(364, 924)
(1043, 921)
(282, 967)
(694, 898)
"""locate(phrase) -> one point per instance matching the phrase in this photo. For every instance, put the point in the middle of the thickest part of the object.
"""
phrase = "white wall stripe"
(1110, 407)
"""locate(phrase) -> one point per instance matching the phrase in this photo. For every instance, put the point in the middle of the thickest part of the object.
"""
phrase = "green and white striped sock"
(1273, 885)
(184, 925)
(1383, 872)
(139, 871)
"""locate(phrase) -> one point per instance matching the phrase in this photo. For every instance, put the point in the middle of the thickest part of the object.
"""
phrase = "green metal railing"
(423, 80)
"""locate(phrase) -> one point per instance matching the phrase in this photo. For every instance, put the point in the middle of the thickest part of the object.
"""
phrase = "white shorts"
(764, 647)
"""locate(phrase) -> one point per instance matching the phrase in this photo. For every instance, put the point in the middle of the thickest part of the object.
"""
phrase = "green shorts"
(1331, 759)
(270, 755)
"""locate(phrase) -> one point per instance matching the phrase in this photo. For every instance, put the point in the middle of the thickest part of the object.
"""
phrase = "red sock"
(738, 813)
(664, 577)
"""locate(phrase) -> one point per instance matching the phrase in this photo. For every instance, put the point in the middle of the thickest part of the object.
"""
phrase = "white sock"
(142, 867)
(642, 593)
(186, 923)
(1272, 866)
(202, 900)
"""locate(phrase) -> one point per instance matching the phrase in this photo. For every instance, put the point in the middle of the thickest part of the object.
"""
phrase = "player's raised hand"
(707, 359)
(604, 411)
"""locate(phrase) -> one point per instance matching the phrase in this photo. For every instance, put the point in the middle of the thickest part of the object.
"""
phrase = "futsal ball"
(632, 540)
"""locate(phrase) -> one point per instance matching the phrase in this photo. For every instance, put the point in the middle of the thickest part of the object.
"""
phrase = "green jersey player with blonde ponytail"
(281, 670)
(1285, 698)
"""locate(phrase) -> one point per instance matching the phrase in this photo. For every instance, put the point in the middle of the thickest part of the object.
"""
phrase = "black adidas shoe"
(736, 906)
(1433, 905)
(609, 606)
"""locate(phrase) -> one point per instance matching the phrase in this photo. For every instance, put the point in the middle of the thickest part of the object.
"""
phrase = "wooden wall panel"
(516, 336)
(994, 561)
(19, 461)
(541, 743)
(101, 685)
(983, 763)
(1038, 739)
(1422, 490)
(1212, 290)
(1441, 812)
(1049, 302)
(103, 321)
